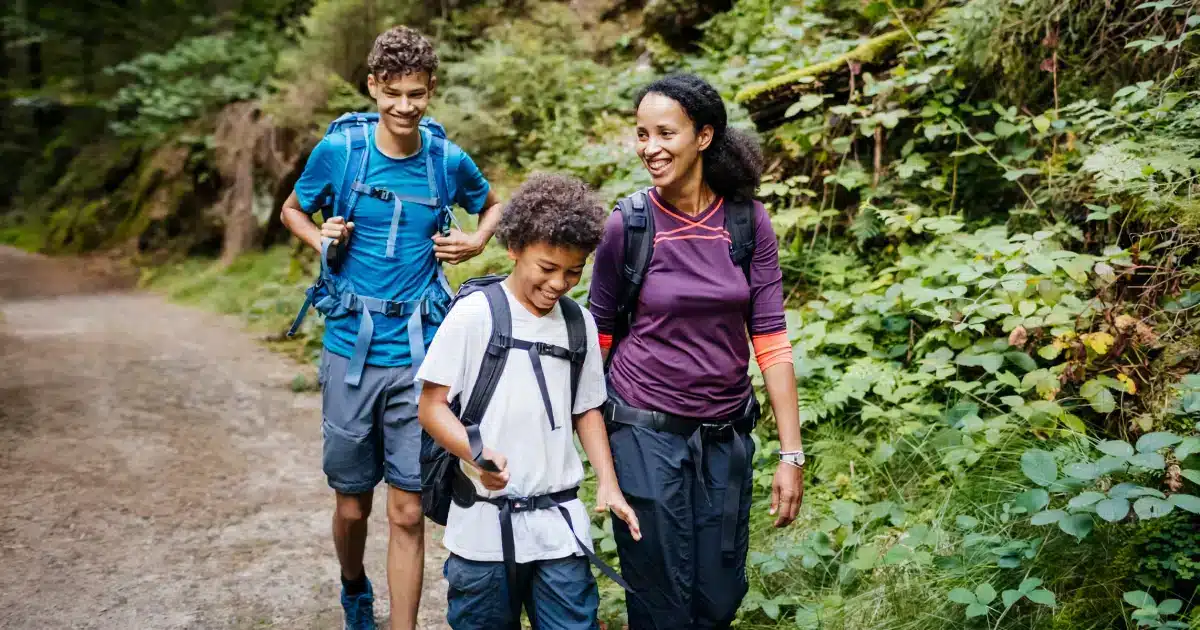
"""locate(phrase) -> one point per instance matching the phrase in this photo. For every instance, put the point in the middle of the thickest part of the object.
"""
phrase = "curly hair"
(733, 162)
(401, 50)
(558, 210)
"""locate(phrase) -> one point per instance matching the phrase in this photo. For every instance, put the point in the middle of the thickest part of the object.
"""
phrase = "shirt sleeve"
(593, 390)
(766, 279)
(606, 278)
(450, 353)
(318, 185)
(472, 187)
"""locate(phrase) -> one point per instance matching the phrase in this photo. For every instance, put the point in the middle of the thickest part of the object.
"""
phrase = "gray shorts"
(371, 432)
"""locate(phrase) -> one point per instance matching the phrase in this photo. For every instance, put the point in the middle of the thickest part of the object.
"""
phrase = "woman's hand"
(787, 492)
(609, 497)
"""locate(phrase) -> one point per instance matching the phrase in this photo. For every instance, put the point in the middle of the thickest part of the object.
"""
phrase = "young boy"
(550, 227)
(390, 258)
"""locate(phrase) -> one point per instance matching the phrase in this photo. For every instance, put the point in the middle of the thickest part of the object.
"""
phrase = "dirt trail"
(157, 471)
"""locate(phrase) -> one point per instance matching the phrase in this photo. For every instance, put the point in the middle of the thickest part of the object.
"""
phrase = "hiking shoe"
(360, 609)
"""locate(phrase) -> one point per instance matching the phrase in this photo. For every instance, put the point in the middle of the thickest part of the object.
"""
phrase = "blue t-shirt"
(412, 270)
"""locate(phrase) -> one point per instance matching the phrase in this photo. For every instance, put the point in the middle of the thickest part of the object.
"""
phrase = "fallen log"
(769, 100)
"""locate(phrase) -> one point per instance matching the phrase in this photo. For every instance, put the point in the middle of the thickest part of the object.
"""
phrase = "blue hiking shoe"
(360, 609)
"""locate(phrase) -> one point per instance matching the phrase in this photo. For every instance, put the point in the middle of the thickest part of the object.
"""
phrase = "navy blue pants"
(556, 594)
(682, 581)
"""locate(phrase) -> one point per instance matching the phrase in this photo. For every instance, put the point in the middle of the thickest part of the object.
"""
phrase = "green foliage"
(191, 79)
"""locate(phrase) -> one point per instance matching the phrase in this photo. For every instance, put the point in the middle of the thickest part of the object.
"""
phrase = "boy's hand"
(609, 497)
(337, 229)
(493, 479)
(457, 247)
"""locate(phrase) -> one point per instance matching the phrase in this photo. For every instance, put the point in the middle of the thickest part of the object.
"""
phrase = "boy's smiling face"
(543, 273)
(402, 100)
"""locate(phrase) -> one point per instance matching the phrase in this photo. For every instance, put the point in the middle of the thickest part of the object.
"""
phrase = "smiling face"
(402, 101)
(543, 273)
(667, 141)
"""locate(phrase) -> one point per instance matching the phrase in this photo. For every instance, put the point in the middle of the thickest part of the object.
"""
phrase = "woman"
(681, 405)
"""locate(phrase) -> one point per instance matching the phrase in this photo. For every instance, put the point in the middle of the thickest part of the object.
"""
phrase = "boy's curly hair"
(558, 210)
(401, 50)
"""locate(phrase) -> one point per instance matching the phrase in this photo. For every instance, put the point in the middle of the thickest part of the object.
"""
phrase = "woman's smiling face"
(667, 140)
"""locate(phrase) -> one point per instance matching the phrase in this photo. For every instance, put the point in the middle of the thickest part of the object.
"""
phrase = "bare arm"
(594, 438)
(300, 223)
(459, 246)
(787, 491)
(447, 430)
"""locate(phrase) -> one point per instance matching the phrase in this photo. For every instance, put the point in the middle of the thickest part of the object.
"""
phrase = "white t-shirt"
(515, 424)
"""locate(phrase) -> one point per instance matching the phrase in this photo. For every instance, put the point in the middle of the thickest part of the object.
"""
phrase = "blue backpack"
(334, 296)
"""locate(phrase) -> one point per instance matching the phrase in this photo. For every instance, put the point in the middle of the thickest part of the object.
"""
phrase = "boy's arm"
(313, 189)
(460, 246)
(446, 429)
(594, 438)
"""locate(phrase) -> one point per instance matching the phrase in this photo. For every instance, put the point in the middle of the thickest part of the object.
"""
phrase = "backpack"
(638, 227)
(441, 480)
(334, 296)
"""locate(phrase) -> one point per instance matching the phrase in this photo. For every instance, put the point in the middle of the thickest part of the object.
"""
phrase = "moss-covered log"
(768, 101)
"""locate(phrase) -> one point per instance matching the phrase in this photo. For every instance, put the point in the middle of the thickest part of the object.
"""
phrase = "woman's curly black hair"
(401, 50)
(733, 162)
(558, 210)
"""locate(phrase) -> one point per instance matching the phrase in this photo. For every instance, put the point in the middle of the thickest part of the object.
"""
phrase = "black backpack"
(638, 226)
(441, 481)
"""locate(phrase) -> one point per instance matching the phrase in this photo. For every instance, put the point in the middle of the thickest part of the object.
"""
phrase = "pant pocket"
(349, 457)
(477, 597)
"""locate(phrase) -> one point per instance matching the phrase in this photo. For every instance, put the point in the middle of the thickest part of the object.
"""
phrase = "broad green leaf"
(1005, 129)
(976, 610)
(1191, 475)
(771, 608)
(1157, 440)
(1170, 607)
(1049, 352)
(1139, 599)
(966, 522)
(1085, 499)
(1043, 597)
(1043, 263)
(1116, 448)
(1074, 423)
(1098, 396)
(1008, 378)
(1041, 123)
(1186, 502)
(1153, 461)
(990, 362)
(1032, 500)
(1047, 517)
(984, 593)
(1082, 470)
(1010, 597)
(1187, 447)
(1028, 584)
(1021, 360)
(1077, 525)
(1112, 510)
(1152, 507)
(961, 596)
(1108, 464)
(1039, 466)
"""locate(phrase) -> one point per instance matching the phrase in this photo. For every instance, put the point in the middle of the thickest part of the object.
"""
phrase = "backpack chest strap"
(364, 305)
(536, 350)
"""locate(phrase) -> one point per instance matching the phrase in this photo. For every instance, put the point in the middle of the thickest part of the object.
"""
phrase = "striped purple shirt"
(688, 352)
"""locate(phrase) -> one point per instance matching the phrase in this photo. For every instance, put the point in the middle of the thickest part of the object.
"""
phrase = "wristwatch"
(794, 458)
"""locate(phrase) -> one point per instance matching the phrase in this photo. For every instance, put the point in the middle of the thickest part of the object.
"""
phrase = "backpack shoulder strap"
(576, 341)
(638, 231)
(494, 358)
(358, 144)
(740, 223)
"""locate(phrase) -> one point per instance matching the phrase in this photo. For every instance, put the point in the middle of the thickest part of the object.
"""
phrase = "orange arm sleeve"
(772, 349)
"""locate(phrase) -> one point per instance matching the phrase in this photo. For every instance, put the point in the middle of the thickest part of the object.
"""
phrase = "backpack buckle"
(499, 345)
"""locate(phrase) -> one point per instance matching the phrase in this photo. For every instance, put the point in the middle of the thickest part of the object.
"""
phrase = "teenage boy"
(390, 257)
(519, 544)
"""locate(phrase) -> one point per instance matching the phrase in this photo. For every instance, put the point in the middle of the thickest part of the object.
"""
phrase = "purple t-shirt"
(688, 351)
